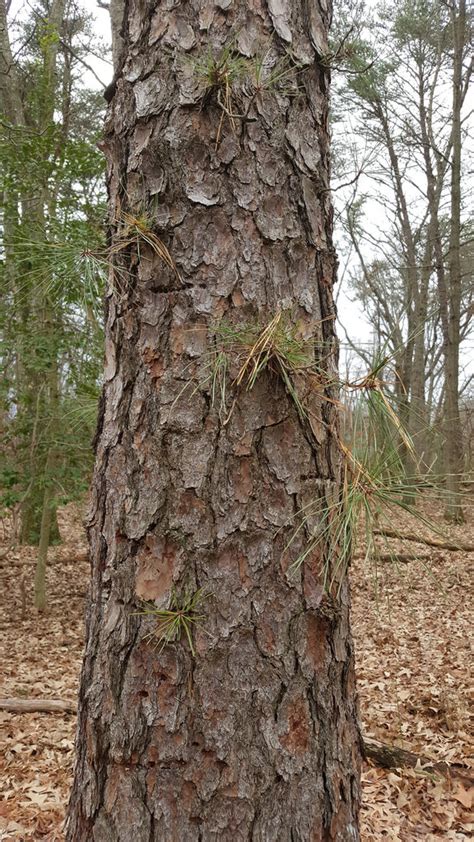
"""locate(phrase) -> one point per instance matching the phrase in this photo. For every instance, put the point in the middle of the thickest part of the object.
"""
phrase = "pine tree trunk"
(255, 736)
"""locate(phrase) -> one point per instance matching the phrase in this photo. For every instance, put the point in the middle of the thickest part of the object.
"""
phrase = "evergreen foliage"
(51, 287)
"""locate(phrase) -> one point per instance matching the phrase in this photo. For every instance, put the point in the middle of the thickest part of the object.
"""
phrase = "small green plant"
(370, 494)
(275, 346)
(236, 82)
(218, 72)
(257, 347)
(254, 348)
(267, 75)
(218, 75)
(384, 423)
(375, 487)
(137, 230)
(178, 619)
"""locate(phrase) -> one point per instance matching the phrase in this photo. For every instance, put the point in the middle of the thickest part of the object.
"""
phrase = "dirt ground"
(411, 623)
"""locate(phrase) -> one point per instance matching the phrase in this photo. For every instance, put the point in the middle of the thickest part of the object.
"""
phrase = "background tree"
(50, 333)
(400, 104)
(224, 707)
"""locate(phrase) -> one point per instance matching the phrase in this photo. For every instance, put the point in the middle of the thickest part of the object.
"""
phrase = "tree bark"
(256, 737)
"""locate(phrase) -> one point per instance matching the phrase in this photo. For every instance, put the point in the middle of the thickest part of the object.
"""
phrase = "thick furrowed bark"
(256, 737)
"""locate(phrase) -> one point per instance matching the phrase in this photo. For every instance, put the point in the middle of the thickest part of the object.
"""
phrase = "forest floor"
(411, 623)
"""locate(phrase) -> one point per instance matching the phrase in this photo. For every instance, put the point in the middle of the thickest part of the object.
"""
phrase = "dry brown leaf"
(412, 650)
(464, 796)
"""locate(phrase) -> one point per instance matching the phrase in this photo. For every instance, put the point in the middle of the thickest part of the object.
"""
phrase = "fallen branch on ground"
(393, 757)
(404, 558)
(37, 705)
(23, 562)
(420, 539)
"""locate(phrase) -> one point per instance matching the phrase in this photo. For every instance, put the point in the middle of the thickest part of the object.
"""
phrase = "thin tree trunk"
(32, 514)
(10, 96)
(413, 407)
(34, 302)
(40, 572)
(48, 517)
(449, 288)
(255, 736)
(454, 446)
